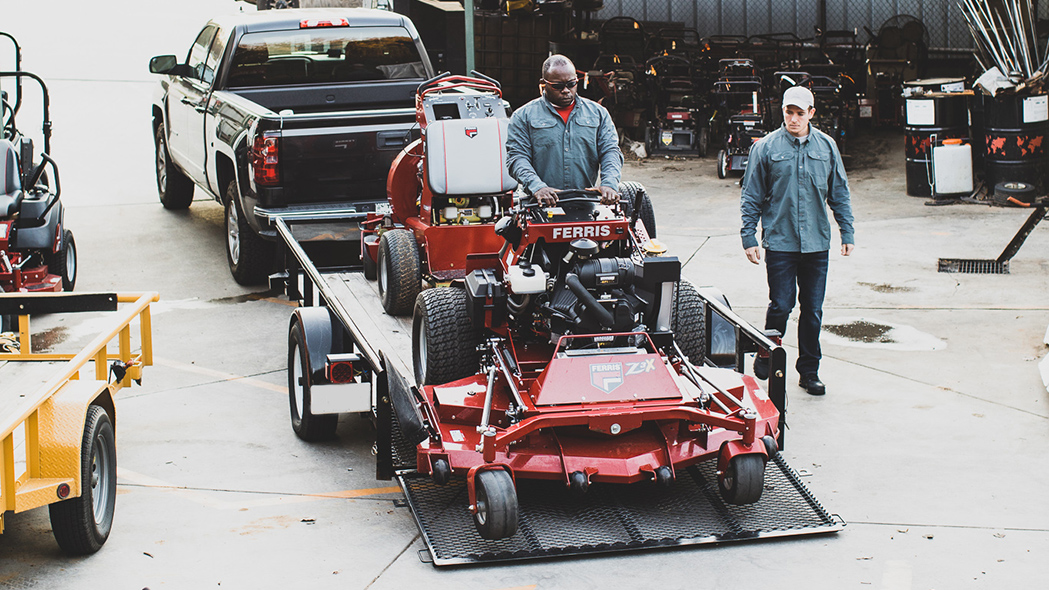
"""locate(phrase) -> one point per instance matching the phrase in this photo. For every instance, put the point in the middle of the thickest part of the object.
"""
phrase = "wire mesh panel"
(612, 518)
(942, 19)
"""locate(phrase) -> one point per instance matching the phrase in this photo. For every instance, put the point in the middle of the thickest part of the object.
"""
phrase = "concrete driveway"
(928, 442)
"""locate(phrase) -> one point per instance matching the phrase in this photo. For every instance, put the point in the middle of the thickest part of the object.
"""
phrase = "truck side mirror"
(162, 64)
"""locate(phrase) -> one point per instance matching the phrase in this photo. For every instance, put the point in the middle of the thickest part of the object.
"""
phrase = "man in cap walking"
(793, 175)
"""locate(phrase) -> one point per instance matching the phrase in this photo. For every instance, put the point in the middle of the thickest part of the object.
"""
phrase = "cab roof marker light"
(313, 23)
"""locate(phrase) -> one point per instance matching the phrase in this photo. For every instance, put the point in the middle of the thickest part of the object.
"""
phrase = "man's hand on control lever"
(546, 196)
(609, 196)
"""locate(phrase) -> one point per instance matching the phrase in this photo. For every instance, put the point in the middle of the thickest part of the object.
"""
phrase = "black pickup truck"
(295, 114)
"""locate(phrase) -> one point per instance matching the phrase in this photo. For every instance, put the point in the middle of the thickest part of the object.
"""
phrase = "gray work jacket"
(788, 185)
(541, 150)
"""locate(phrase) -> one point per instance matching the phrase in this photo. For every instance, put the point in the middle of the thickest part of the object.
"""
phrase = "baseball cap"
(798, 96)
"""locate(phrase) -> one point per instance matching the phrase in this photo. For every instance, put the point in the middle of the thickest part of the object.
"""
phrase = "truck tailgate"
(341, 157)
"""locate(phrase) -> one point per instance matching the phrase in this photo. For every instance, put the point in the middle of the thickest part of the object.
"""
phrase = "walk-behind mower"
(37, 252)
(570, 353)
(443, 204)
(680, 115)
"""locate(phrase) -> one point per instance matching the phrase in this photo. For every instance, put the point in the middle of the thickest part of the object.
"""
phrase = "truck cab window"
(198, 53)
(341, 54)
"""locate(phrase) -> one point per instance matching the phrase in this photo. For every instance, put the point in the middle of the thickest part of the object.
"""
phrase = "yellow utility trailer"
(58, 416)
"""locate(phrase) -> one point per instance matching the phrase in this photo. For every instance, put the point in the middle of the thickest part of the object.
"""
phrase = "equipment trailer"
(58, 416)
(347, 355)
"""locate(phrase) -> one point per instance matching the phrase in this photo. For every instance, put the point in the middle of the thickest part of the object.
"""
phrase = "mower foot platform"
(615, 518)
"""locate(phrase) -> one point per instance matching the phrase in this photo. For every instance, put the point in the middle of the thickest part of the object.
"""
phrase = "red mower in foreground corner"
(569, 353)
(37, 253)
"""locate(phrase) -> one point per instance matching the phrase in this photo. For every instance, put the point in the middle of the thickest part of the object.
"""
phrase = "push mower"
(571, 353)
(741, 101)
(678, 123)
(37, 252)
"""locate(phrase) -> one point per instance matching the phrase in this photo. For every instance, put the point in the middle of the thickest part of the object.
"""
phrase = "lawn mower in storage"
(37, 252)
(570, 353)
(445, 189)
(678, 123)
(742, 106)
(622, 91)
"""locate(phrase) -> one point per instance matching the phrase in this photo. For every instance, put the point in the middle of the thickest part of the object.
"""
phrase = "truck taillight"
(265, 160)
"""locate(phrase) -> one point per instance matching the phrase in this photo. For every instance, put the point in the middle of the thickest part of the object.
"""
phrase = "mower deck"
(613, 518)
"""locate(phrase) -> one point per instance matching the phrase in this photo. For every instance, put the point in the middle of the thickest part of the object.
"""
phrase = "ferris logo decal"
(589, 231)
(471, 132)
(606, 376)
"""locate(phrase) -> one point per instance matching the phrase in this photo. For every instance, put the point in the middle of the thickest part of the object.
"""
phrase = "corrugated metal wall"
(942, 18)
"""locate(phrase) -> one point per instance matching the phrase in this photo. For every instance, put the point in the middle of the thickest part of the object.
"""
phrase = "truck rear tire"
(249, 256)
(174, 187)
(306, 425)
(81, 525)
(689, 323)
(400, 271)
(444, 341)
(63, 262)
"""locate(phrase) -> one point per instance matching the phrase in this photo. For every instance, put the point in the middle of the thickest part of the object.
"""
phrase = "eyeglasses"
(561, 85)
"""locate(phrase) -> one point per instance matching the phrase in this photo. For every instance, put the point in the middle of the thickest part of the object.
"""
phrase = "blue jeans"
(793, 275)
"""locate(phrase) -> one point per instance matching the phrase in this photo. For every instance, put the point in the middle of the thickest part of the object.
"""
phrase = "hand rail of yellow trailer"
(96, 350)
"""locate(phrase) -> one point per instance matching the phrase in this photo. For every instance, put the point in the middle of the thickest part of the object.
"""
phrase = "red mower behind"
(446, 190)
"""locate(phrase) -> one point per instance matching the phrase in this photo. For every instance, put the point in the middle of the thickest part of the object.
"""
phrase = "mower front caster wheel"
(664, 476)
(743, 480)
(496, 516)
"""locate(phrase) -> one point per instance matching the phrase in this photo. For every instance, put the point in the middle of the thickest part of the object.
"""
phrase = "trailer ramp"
(615, 518)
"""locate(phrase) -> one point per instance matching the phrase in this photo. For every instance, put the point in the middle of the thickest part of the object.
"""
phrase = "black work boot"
(811, 383)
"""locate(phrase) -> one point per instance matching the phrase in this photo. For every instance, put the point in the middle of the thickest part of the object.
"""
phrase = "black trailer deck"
(553, 523)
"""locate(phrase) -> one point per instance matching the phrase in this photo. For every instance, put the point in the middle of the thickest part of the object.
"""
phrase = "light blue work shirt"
(541, 150)
(788, 185)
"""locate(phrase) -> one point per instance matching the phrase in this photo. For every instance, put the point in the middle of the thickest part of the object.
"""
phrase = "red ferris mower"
(569, 354)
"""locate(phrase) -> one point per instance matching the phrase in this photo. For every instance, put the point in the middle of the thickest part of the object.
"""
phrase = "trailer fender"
(316, 325)
(60, 426)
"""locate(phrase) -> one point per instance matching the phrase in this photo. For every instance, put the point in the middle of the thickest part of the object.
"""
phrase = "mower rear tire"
(744, 480)
(81, 525)
(496, 516)
(306, 425)
(444, 340)
(399, 271)
(702, 141)
(250, 257)
(689, 322)
(722, 164)
(628, 195)
(174, 187)
(63, 262)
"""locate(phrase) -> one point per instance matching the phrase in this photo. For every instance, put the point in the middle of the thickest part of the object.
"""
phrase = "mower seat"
(468, 157)
(10, 182)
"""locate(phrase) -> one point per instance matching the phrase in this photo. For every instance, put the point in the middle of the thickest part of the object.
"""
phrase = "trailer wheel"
(444, 341)
(722, 164)
(63, 262)
(629, 192)
(174, 187)
(744, 479)
(400, 271)
(249, 256)
(81, 525)
(689, 323)
(496, 516)
(307, 425)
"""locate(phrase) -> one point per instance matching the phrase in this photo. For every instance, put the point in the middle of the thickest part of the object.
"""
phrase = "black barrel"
(1015, 132)
(943, 116)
